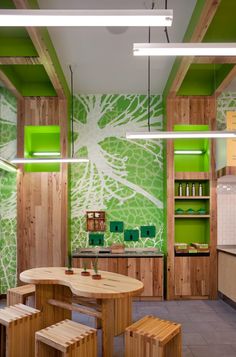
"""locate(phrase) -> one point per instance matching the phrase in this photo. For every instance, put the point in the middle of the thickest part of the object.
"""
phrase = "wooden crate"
(18, 325)
(68, 337)
(151, 337)
(24, 294)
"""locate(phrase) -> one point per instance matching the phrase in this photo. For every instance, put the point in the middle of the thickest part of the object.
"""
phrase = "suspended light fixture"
(184, 49)
(48, 160)
(189, 152)
(6, 165)
(78, 18)
(181, 135)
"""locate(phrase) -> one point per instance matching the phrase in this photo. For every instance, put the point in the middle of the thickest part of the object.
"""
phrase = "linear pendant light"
(189, 152)
(46, 153)
(184, 49)
(7, 166)
(48, 160)
(78, 18)
(181, 134)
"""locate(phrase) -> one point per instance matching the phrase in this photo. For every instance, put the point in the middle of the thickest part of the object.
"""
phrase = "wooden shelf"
(198, 254)
(192, 197)
(225, 171)
(192, 176)
(192, 216)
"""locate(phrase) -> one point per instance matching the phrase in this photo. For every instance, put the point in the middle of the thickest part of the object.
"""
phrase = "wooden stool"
(20, 295)
(68, 337)
(18, 325)
(151, 337)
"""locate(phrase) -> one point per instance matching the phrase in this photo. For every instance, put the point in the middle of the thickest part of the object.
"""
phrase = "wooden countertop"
(111, 285)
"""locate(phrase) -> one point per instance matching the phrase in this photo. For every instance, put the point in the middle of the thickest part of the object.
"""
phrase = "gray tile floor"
(209, 327)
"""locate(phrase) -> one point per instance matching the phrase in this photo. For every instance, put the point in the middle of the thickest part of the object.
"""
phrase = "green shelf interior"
(193, 162)
(192, 230)
(194, 204)
(205, 186)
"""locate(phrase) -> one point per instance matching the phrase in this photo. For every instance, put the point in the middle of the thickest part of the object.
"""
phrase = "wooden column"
(192, 110)
(42, 202)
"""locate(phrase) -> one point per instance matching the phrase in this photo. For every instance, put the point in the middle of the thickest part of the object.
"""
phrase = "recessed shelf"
(192, 216)
(199, 254)
(192, 197)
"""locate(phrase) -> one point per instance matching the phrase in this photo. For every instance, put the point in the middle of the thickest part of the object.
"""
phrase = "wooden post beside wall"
(42, 197)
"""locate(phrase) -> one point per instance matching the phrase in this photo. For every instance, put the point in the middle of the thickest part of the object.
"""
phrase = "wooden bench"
(68, 337)
(21, 295)
(151, 337)
(18, 325)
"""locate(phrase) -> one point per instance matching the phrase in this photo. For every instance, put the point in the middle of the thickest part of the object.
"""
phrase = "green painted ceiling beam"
(17, 47)
(202, 79)
(188, 34)
(29, 80)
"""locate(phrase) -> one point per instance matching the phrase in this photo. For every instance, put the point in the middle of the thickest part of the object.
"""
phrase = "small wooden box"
(96, 221)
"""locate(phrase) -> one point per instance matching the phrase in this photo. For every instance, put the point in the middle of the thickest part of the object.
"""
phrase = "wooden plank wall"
(190, 110)
(42, 197)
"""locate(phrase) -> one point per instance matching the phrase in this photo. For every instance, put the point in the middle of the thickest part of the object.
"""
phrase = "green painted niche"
(41, 138)
(192, 163)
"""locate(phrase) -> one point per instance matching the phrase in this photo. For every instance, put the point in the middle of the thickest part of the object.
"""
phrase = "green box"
(148, 231)
(131, 235)
(116, 227)
(96, 239)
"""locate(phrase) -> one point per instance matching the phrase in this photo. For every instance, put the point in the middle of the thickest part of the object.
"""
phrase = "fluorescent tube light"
(45, 153)
(184, 49)
(181, 134)
(49, 160)
(189, 152)
(78, 18)
(7, 166)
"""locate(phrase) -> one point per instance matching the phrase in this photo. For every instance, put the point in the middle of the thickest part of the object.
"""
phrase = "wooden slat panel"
(146, 276)
(42, 196)
(158, 277)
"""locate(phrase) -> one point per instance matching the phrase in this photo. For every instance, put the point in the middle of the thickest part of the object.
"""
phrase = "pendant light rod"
(72, 111)
(80, 18)
(184, 49)
(181, 135)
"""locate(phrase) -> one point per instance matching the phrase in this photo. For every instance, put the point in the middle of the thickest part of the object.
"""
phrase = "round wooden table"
(114, 291)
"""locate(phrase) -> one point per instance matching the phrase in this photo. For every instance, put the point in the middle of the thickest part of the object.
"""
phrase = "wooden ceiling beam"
(206, 17)
(216, 60)
(226, 82)
(42, 50)
(19, 60)
(9, 85)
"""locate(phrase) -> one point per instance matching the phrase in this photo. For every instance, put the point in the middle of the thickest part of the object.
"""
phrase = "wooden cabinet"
(148, 270)
(192, 277)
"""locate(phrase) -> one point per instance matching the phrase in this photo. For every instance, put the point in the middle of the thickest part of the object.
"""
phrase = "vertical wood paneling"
(42, 197)
(190, 110)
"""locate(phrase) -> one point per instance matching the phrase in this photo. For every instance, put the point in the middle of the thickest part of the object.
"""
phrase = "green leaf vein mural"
(123, 177)
(7, 192)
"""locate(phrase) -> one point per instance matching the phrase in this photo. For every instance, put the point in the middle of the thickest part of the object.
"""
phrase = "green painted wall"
(123, 177)
(7, 192)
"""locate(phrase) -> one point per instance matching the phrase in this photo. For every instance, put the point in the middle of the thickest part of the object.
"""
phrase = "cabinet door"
(146, 275)
(122, 266)
(134, 268)
(192, 276)
(158, 277)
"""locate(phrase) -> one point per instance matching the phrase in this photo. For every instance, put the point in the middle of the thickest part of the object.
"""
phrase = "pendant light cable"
(72, 111)
(149, 76)
(166, 30)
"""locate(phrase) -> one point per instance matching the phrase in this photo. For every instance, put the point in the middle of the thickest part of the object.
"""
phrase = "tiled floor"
(209, 327)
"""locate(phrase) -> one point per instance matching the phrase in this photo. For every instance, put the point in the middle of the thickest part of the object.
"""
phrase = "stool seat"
(67, 336)
(18, 324)
(19, 294)
(153, 337)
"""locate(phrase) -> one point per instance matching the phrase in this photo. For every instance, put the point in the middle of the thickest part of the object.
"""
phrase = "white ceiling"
(102, 58)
